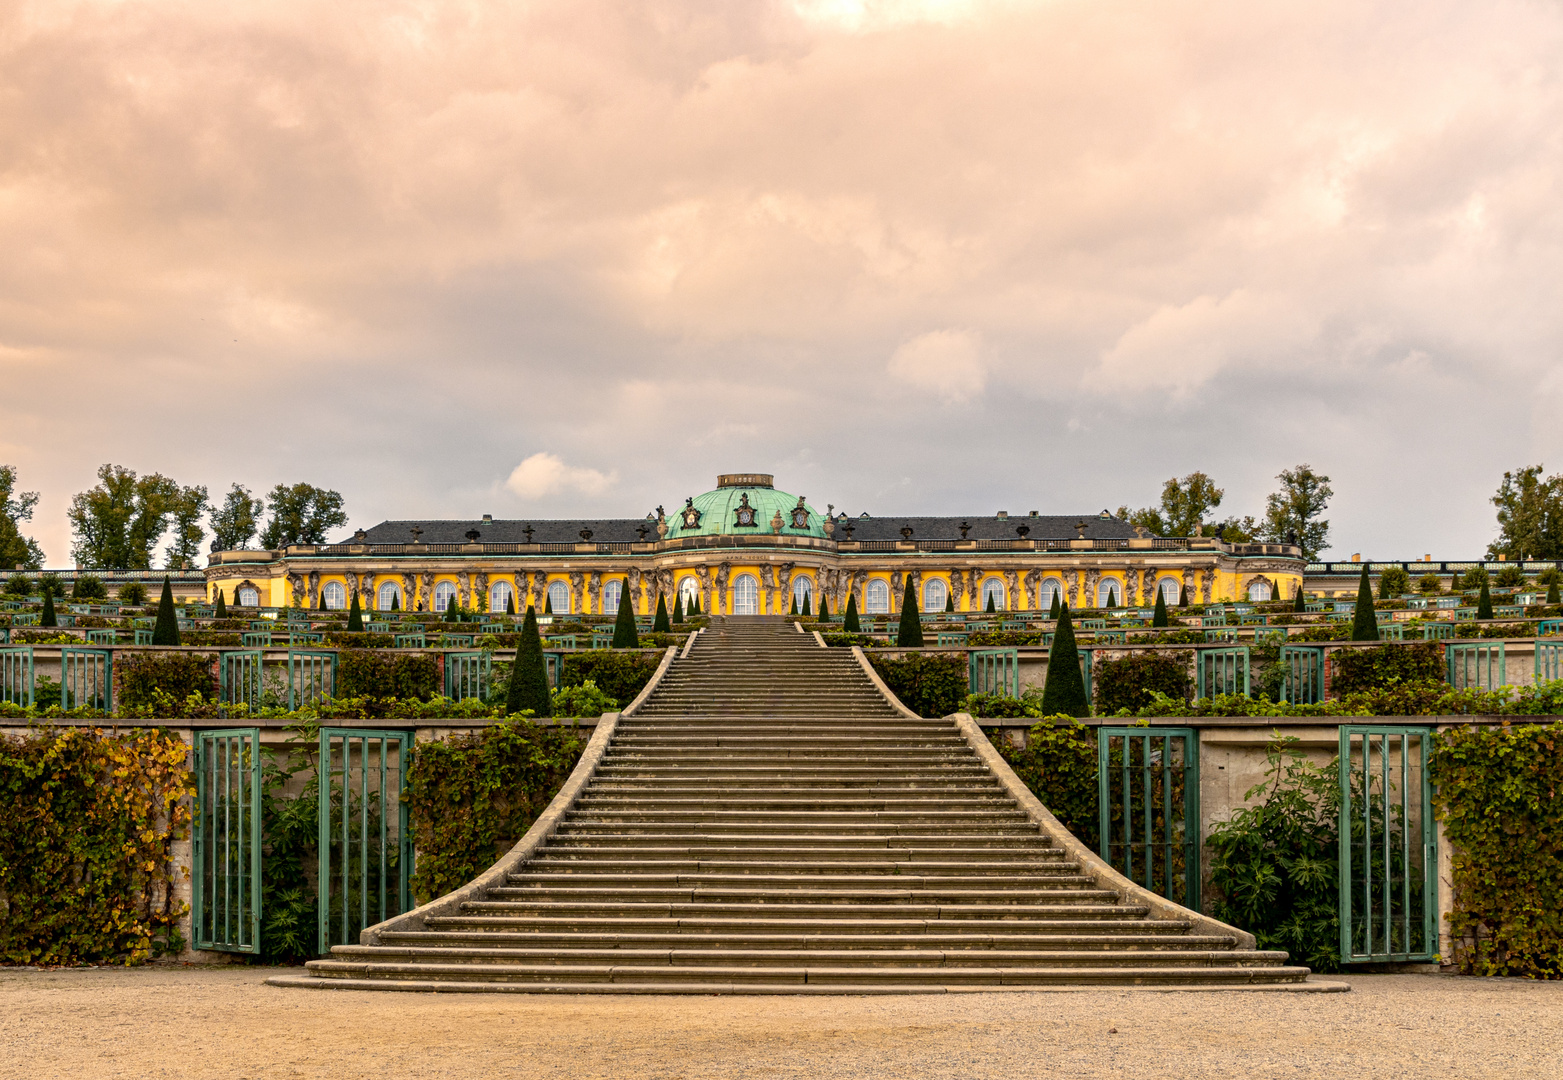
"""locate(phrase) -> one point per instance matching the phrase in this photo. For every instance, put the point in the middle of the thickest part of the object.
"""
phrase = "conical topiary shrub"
(793, 610)
(48, 618)
(694, 604)
(992, 605)
(510, 604)
(166, 630)
(529, 674)
(678, 608)
(396, 601)
(805, 612)
(1058, 604)
(221, 610)
(1159, 617)
(1364, 624)
(624, 633)
(824, 610)
(660, 624)
(1183, 596)
(1064, 691)
(1299, 599)
(850, 623)
(1552, 594)
(949, 602)
(1484, 601)
(355, 617)
(909, 635)
(548, 603)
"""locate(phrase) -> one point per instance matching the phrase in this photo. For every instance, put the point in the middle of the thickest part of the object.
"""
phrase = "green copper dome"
(741, 498)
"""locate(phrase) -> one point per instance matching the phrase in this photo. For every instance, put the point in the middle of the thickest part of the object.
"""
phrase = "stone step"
(1099, 921)
(806, 878)
(1069, 903)
(577, 863)
(574, 854)
(1157, 935)
(885, 845)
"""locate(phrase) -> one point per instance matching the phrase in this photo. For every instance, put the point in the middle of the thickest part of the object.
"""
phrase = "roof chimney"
(1003, 514)
(488, 517)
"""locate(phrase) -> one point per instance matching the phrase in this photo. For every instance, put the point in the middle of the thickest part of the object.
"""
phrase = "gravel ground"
(204, 1022)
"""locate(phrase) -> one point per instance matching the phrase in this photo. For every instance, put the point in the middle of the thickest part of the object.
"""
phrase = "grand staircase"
(767, 821)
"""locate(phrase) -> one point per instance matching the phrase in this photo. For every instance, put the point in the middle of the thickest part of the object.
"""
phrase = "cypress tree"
(510, 604)
(694, 604)
(678, 608)
(806, 612)
(1064, 691)
(548, 603)
(909, 635)
(166, 630)
(793, 610)
(48, 617)
(660, 624)
(1484, 602)
(824, 609)
(949, 601)
(850, 623)
(1364, 624)
(990, 609)
(221, 611)
(1299, 599)
(355, 617)
(1183, 596)
(1159, 618)
(624, 634)
(396, 601)
(322, 599)
(1552, 594)
(1056, 609)
(529, 674)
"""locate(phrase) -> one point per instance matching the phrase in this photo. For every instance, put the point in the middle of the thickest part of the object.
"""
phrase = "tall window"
(247, 597)
(559, 598)
(389, 592)
(746, 595)
(334, 593)
(688, 588)
(444, 595)
(876, 597)
(1050, 588)
(1169, 590)
(803, 590)
(1259, 591)
(499, 595)
(611, 593)
(1107, 594)
(993, 589)
(935, 594)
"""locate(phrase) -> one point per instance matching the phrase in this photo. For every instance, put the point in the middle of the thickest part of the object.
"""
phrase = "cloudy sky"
(545, 259)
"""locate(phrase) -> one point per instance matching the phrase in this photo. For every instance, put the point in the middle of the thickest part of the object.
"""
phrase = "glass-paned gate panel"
(1222, 671)
(311, 676)
(467, 674)
(365, 843)
(1388, 849)
(1303, 666)
(1479, 666)
(239, 678)
(994, 671)
(16, 675)
(227, 887)
(87, 679)
(1148, 808)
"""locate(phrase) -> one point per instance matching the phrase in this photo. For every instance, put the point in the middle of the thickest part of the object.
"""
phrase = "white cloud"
(545, 474)
(945, 362)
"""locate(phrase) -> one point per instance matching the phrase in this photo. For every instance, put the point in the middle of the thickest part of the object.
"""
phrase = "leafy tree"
(1510, 577)
(1237, 530)
(624, 635)
(48, 617)
(1474, 578)
(1296, 509)
(1364, 623)
(15, 508)
(185, 512)
(909, 635)
(1392, 582)
(221, 610)
(166, 630)
(1430, 583)
(89, 587)
(529, 674)
(19, 585)
(1159, 617)
(50, 585)
(355, 616)
(660, 624)
(117, 523)
(301, 514)
(235, 522)
(1484, 602)
(1184, 506)
(849, 623)
(1063, 694)
(132, 594)
(1530, 516)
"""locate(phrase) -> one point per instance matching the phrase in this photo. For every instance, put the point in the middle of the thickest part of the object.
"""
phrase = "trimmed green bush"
(849, 623)
(529, 674)
(220, 611)
(678, 608)
(48, 618)
(89, 587)
(377, 673)
(992, 607)
(909, 635)
(1058, 764)
(166, 630)
(620, 675)
(1159, 616)
(1128, 682)
(584, 699)
(1364, 623)
(355, 617)
(1357, 670)
(164, 682)
(660, 624)
(1484, 601)
(1064, 692)
(1300, 600)
(1392, 582)
(624, 635)
(1058, 606)
(929, 685)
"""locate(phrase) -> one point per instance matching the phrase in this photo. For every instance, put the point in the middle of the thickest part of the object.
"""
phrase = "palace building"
(746, 548)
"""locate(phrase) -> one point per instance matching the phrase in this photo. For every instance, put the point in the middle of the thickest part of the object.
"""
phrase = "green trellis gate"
(366, 847)
(227, 841)
(1148, 808)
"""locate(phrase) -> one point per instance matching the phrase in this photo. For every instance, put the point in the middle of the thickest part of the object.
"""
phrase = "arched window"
(1259, 591)
(247, 596)
(559, 598)
(1170, 590)
(335, 595)
(1107, 594)
(746, 595)
(803, 593)
(688, 588)
(876, 597)
(389, 593)
(612, 591)
(993, 589)
(444, 595)
(1050, 588)
(935, 594)
(499, 595)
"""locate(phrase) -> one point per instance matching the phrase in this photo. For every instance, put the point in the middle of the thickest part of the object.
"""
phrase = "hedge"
(1058, 764)
(928, 684)
(1127, 682)
(1372, 668)
(373, 673)
(620, 675)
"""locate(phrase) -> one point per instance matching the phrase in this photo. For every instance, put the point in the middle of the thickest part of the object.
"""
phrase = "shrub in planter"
(1392, 662)
(89, 587)
(620, 675)
(1430, 583)
(1364, 623)
(373, 673)
(1509, 578)
(583, 699)
(1392, 582)
(1127, 682)
(1058, 764)
(1064, 692)
(19, 585)
(132, 594)
(141, 677)
(929, 685)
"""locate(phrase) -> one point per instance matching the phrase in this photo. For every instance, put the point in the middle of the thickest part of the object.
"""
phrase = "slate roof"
(1043, 527)
(512, 531)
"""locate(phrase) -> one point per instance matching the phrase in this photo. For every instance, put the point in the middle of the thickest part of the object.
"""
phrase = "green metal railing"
(87, 678)
(467, 674)
(409, 641)
(227, 872)
(1304, 679)
(1222, 671)
(16, 675)
(994, 671)
(311, 676)
(1549, 661)
(1475, 665)
(239, 678)
(1148, 808)
(366, 851)
(1388, 848)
